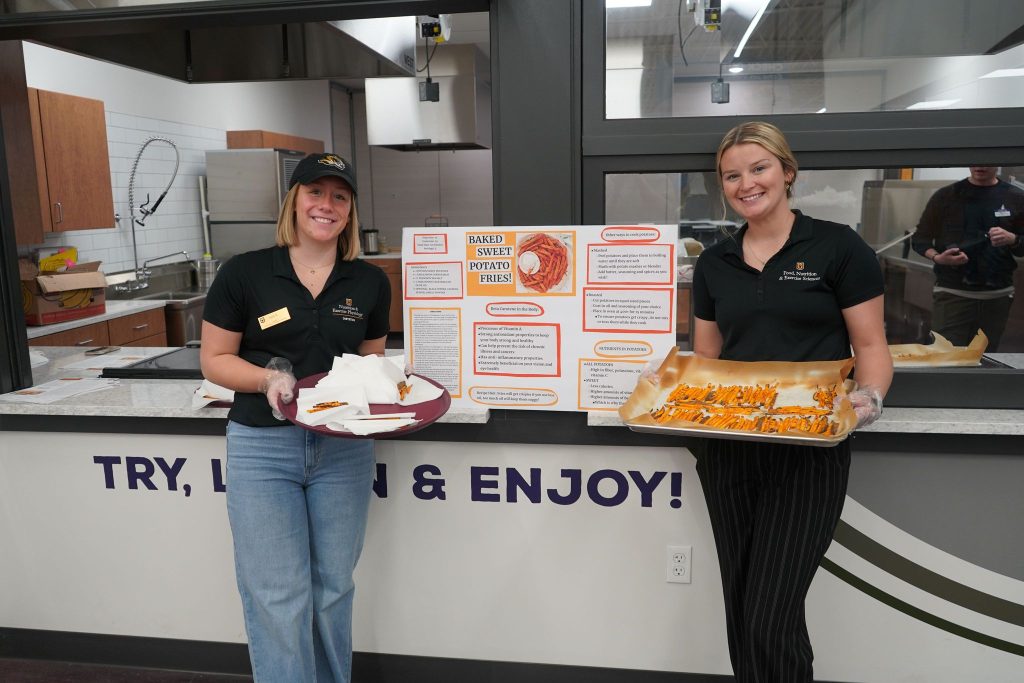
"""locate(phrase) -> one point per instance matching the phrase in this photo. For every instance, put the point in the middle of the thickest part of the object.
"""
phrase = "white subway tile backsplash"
(175, 226)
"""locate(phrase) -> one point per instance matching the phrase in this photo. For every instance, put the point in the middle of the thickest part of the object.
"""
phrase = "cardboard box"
(49, 298)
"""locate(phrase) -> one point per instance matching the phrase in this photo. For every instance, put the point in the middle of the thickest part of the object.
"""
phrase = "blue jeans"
(297, 505)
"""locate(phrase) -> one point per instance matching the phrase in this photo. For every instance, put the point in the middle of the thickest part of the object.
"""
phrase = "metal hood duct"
(460, 119)
(357, 48)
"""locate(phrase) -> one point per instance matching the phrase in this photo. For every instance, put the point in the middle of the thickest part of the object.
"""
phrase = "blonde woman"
(297, 501)
(785, 287)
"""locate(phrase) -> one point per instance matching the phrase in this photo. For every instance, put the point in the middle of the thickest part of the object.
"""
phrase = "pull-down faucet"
(141, 280)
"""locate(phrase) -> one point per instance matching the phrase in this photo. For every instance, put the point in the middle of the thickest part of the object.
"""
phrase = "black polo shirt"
(352, 307)
(792, 310)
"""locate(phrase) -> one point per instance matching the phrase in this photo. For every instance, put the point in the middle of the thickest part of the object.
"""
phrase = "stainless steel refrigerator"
(245, 188)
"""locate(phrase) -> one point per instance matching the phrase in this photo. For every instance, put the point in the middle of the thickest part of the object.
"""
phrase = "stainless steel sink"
(180, 298)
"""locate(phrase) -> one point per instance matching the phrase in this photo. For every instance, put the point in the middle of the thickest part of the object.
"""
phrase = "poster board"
(538, 317)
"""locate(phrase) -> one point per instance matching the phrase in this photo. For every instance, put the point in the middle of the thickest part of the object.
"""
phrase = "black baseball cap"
(319, 165)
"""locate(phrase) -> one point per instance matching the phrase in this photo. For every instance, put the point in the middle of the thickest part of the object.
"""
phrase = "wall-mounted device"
(706, 13)
(719, 92)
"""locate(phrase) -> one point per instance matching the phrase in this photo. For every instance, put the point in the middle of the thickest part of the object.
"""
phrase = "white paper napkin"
(366, 427)
(309, 405)
(208, 392)
(420, 391)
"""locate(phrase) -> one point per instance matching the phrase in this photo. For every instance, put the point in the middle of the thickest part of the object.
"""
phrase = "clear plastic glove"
(278, 384)
(650, 373)
(867, 404)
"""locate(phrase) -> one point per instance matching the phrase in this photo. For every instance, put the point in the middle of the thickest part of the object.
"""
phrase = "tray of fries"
(768, 401)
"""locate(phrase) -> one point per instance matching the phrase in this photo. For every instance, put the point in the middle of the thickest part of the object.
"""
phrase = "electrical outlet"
(679, 563)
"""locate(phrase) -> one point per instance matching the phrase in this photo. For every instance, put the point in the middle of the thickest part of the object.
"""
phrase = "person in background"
(785, 287)
(971, 230)
(297, 501)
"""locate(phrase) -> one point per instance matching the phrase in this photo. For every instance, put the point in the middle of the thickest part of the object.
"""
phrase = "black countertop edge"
(553, 428)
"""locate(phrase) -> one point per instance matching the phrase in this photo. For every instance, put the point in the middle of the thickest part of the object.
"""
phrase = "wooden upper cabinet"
(265, 139)
(73, 134)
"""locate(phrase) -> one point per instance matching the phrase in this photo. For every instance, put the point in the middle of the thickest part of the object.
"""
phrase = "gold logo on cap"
(332, 160)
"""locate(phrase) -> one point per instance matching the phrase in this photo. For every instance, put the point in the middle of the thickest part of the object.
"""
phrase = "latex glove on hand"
(278, 384)
(867, 404)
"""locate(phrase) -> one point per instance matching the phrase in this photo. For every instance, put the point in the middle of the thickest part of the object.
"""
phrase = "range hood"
(357, 48)
(396, 118)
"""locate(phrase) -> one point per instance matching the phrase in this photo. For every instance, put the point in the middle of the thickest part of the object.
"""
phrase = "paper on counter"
(114, 359)
(208, 393)
(58, 389)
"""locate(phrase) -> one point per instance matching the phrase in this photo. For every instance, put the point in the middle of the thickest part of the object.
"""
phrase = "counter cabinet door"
(87, 336)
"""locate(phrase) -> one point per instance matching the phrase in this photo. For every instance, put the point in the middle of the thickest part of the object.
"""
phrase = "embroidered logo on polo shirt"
(347, 311)
(800, 273)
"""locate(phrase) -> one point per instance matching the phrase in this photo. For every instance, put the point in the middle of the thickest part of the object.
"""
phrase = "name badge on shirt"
(1002, 212)
(276, 318)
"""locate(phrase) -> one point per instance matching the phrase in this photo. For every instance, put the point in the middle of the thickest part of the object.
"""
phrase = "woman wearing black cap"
(297, 501)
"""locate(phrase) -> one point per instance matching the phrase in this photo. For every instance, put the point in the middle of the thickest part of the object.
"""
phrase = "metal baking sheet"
(737, 435)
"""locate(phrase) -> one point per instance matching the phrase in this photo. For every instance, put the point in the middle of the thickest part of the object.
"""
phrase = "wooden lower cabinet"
(87, 335)
(392, 267)
(127, 330)
(147, 328)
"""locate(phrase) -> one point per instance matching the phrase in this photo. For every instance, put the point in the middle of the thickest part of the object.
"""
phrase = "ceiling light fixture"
(1004, 73)
(735, 69)
(933, 104)
(750, 29)
(614, 4)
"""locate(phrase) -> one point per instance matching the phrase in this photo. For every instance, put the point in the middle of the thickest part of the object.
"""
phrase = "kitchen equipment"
(370, 242)
(206, 270)
(245, 189)
(177, 364)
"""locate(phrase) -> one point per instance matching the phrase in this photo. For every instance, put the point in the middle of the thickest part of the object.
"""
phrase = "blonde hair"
(348, 240)
(765, 135)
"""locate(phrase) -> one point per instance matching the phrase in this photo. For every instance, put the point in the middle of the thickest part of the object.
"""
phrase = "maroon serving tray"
(426, 413)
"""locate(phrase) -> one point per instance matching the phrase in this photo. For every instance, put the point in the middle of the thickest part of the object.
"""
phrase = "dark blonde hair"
(766, 135)
(348, 240)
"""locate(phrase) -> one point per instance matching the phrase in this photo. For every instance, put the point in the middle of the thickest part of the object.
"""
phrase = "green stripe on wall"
(927, 580)
(919, 614)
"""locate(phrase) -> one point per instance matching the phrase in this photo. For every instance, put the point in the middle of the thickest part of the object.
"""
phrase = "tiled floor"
(39, 671)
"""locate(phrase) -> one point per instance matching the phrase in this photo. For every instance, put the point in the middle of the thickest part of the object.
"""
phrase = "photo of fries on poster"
(543, 263)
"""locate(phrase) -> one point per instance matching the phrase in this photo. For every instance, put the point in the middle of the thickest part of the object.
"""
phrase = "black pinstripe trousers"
(773, 510)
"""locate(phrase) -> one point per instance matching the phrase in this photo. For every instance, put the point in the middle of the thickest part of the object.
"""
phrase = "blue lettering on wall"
(575, 478)
(516, 483)
(380, 480)
(621, 488)
(108, 462)
(477, 484)
(428, 487)
(217, 473)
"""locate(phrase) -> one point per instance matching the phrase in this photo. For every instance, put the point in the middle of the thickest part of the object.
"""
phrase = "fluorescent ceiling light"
(1004, 73)
(821, 111)
(735, 69)
(612, 4)
(933, 104)
(750, 29)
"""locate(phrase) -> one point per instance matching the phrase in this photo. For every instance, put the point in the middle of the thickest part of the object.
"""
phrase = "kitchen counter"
(162, 398)
(115, 309)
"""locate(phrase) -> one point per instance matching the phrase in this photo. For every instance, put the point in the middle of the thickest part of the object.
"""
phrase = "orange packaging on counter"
(55, 297)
